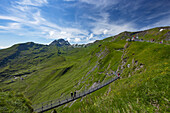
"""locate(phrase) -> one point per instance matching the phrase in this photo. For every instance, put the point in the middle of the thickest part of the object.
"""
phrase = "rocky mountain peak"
(60, 42)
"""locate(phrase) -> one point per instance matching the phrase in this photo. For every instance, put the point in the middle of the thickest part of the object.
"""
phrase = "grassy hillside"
(18, 59)
(11, 102)
(44, 73)
(142, 88)
(158, 34)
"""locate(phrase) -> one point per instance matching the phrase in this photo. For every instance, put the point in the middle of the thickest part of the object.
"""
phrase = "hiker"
(130, 40)
(133, 39)
(71, 95)
(118, 74)
(75, 94)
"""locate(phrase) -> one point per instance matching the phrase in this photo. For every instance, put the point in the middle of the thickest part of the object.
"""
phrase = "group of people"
(132, 39)
(73, 94)
(153, 40)
(135, 38)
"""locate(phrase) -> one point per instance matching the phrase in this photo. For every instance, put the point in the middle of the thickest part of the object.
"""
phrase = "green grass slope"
(142, 88)
(158, 34)
(11, 102)
(18, 59)
(44, 73)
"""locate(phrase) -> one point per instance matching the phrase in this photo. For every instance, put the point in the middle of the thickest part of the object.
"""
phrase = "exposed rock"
(133, 62)
(129, 75)
(126, 45)
(82, 98)
(72, 103)
(79, 45)
(94, 85)
(102, 54)
(128, 65)
(136, 62)
(108, 91)
(141, 65)
(60, 42)
(167, 36)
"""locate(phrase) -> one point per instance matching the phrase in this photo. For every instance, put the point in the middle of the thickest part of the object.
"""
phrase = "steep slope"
(78, 69)
(158, 34)
(14, 103)
(65, 69)
(144, 86)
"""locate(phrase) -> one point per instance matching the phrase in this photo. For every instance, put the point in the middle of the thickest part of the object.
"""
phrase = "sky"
(78, 21)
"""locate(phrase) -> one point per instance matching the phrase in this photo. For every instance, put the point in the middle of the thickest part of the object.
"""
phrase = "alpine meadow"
(84, 56)
(31, 74)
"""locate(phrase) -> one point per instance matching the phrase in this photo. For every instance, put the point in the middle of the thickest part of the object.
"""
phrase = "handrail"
(45, 106)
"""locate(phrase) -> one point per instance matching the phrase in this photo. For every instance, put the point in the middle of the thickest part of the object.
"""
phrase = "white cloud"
(27, 20)
(105, 31)
(102, 26)
(11, 26)
(24, 16)
(58, 35)
(12, 18)
(68, 39)
(32, 2)
(163, 22)
(100, 3)
(51, 33)
(77, 40)
(90, 37)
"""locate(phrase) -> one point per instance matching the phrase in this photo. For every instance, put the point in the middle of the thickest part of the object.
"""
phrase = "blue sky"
(78, 21)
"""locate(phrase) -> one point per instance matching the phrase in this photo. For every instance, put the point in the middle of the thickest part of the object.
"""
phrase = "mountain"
(23, 56)
(60, 43)
(48, 72)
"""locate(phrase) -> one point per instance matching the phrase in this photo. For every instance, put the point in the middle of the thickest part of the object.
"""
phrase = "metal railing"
(45, 106)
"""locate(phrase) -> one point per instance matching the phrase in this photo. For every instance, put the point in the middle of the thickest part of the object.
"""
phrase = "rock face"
(60, 43)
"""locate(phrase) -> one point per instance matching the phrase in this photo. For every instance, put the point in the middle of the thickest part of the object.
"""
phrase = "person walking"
(75, 94)
(118, 74)
(71, 95)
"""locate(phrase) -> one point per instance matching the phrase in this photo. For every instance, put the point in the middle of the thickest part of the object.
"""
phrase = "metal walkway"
(45, 106)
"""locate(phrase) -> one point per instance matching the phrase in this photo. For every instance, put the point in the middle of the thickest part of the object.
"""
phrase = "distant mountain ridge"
(60, 43)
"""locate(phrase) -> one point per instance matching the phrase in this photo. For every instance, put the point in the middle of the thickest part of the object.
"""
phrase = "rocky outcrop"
(60, 43)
